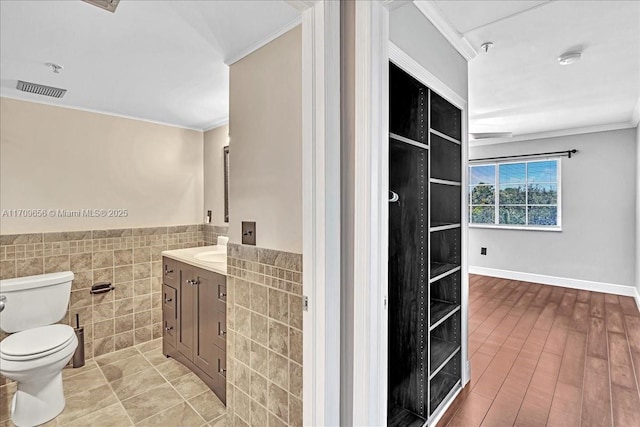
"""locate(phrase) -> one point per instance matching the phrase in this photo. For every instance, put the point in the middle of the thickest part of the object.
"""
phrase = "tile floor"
(135, 386)
(545, 355)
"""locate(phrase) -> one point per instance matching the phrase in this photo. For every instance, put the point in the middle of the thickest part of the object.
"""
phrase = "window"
(521, 194)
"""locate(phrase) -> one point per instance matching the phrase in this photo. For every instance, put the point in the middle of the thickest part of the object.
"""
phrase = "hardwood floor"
(545, 355)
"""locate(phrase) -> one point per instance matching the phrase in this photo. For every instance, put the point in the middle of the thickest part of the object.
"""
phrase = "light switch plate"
(249, 233)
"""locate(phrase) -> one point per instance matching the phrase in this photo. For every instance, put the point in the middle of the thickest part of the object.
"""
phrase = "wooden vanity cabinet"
(195, 326)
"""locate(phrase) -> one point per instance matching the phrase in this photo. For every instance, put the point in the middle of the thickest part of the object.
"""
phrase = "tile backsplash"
(264, 341)
(128, 258)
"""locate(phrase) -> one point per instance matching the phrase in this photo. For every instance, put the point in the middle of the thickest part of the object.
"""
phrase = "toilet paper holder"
(101, 288)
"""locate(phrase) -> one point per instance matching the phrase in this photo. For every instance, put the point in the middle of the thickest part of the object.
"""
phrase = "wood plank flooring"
(546, 355)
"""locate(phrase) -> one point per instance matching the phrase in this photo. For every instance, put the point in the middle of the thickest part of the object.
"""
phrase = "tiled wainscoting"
(211, 233)
(264, 342)
(128, 258)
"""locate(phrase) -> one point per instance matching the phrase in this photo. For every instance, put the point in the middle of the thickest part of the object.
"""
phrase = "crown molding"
(552, 134)
(442, 24)
(216, 124)
(238, 55)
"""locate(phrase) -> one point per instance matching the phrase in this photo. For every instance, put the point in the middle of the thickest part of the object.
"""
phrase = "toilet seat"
(36, 343)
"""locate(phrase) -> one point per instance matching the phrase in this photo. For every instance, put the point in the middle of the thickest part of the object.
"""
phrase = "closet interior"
(425, 251)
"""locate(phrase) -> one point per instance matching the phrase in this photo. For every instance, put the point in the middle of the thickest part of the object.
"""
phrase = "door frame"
(321, 209)
(368, 378)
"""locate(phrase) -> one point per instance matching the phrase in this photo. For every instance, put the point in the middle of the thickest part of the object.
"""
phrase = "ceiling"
(519, 87)
(160, 61)
(164, 61)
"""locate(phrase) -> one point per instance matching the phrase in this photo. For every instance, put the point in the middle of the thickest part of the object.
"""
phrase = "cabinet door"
(186, 310)
(207, 323)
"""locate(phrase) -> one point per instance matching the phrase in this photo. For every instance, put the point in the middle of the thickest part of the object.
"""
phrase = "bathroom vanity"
(194, 312)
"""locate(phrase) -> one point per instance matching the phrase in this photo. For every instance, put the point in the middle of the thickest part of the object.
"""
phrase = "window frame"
(496, 201)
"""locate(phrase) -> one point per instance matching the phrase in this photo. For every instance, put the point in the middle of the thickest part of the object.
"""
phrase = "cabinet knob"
(168, 328)
(222, 333)
(167, 271)
(193, 282)
(168, 300)
(222, 295)
(222, 371)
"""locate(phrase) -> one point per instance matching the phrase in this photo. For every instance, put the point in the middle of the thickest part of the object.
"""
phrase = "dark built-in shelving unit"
(425, 249)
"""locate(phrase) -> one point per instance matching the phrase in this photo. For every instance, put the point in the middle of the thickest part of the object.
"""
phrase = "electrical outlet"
(249, 233)
(483, 251)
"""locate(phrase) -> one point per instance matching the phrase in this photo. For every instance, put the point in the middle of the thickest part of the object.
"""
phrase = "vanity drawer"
(169, 295)
(220, 339)
(169, 330)
(170, 273)
(221, 300)
(220, 387)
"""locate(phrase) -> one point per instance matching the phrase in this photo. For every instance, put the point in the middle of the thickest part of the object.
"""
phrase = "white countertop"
(188, 256)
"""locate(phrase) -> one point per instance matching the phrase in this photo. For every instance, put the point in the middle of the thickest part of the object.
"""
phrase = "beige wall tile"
(103, 259)
(81, 262)
(278, 370)
(29, 267)
(278, 402)
(7, 269)
(295, 379)
(122, 257)
(279, 305)
(295, 345)
(279, 338)
(259, 388)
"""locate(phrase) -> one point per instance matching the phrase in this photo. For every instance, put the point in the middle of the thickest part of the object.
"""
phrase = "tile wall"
(264, 342)
(128, 258)
(211, 233)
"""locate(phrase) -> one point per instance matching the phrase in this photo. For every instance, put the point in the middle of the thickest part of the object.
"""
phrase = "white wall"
(214, 142)
(265, 121)
(60, 158)
(597, 242)
(412, 32)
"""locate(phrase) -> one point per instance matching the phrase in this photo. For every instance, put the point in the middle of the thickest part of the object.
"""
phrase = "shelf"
(445, 182)
(441, 353)
(401, 417)
(408, 141)
(441, 389)
(440, 311)
(440, 270)
(441, 226)
(447, 137)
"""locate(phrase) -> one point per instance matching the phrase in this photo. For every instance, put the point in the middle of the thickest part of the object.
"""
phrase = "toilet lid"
(36, 342)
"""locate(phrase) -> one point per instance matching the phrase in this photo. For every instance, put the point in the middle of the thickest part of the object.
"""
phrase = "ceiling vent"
(38, 89)
(109, 5)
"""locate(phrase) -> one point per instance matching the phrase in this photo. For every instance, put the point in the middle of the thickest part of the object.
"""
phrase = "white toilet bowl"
(34, 359)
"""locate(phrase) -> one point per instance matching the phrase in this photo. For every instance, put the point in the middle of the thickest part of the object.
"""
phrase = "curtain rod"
(567, 153)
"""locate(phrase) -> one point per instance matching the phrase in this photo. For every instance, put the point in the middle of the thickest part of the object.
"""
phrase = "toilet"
(38, 349)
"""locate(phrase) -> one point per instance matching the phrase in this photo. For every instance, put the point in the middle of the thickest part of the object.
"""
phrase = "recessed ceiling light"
(568, 58)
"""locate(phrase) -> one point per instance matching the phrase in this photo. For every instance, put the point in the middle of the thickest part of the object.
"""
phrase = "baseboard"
(564, 282)
(637, 295)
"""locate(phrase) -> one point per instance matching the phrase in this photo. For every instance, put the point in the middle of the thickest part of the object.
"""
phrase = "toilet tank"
(34, 301)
